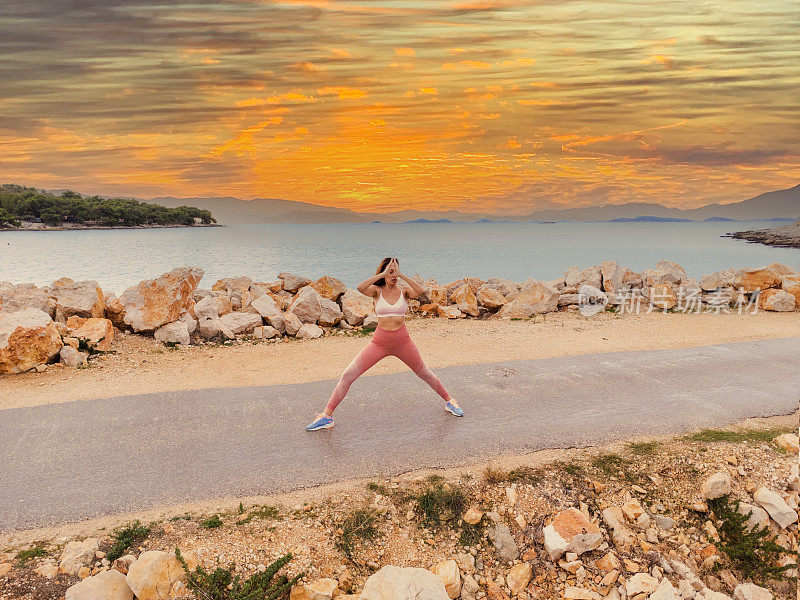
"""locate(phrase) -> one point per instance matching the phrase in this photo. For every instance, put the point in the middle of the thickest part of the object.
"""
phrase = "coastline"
(102, 227)
(786, 236)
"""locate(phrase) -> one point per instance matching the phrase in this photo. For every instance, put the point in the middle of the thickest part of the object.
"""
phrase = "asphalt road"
(65, 462)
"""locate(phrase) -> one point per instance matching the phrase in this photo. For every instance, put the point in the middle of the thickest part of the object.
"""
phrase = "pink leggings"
(385, 343)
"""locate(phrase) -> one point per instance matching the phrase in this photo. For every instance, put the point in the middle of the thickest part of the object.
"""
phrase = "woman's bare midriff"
(391, 323)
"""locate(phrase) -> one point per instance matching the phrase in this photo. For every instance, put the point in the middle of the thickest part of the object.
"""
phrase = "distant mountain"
(233, 211)
(650, 220)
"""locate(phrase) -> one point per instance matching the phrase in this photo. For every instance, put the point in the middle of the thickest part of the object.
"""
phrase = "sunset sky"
(484, 105)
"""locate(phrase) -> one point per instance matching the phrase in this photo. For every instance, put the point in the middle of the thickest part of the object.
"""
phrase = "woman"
(390, 338)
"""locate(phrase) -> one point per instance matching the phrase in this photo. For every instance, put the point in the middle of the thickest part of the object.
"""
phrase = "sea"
(120, 258)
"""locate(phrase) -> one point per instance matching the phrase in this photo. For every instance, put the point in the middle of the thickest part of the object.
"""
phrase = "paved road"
(64, 462)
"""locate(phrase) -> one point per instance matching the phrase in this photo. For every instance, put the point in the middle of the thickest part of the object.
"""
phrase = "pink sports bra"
(398, 309)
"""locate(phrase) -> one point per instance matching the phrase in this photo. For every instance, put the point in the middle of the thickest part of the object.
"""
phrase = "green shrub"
(24, 556)
(358, 526)
(125, 537)
(222, 584)
(440, 503)
(753, 551)
(211, 522)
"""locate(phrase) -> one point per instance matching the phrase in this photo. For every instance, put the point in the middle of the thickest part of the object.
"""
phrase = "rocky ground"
(633, 520)
(785, 236)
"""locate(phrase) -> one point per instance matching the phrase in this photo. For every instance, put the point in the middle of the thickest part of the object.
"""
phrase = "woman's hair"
(382, 281)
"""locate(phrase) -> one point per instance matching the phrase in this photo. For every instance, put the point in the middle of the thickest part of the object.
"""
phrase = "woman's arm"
(368, 288)
(415, 288)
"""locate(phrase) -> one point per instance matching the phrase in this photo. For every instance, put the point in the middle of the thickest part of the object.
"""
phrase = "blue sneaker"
(453, 409)
(321, 422)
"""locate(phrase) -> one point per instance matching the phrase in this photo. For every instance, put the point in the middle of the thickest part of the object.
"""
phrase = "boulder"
(516, 309)
(590, 276)
(571, 531)
(518, 577)
(268, 308)
(241, 323)
(711, 282)
(612, 276)
(97, 333)
(573, 277)
(716, 486)
(237, 289)
(502, 285)
(173, 333)
(156, 302)
(631, 279)
(450, 311)
(330, 314)
(152, 576)
(82, 299)
(783, 514)
(404, 583)
(465, 299)
(320, 589)
(621, 534)
(28, 338)
(265, 332)
(502, 540)
(641, 583)
(490, 297)
(750, 591)
(569, 299)
(665, 591)
(78, 554)
(663, 296)
(307, 305)
(329, 287)
(309, 331)
(776, 300)
(449, 573)
(752, 280)
(191, 322)
(437, 294)
(791, 285)
(789, 442)
(208, 329)
(14, 298)
(71, 357)
(757, 517)
(472, 516)
(291, 323)
(676, 273)
(540, 296)
(651, 277)
(207, 308)
(356, 306)
(291, 282)
(106, 585)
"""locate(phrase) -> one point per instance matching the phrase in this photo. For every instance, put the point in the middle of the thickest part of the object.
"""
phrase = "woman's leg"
(409, 354)
(369, 355)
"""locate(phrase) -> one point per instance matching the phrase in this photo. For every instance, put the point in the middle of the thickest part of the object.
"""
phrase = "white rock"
(207, 308)
(28, 338)
(241, 323)
(106, 585)
(518, 577)
(716, 486)
(505, 546)
(469, 588)
(173, 333)
(307, 305)
(291, 323)
(757, 516)
(330, 313)
(750, 591)
(72, 357)
(265, 332)
(776, 506)
(448, 572)
(356, 307)
(571, 531)
(81, 298)
(151, 577)
(641, 583)
(404, 583)
(77, 555)
(292, 282)
(664, 591)
(191, 322)
(309, 331)
(321, 589)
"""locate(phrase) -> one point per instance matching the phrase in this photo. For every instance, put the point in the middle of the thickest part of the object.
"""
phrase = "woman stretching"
(390, 338)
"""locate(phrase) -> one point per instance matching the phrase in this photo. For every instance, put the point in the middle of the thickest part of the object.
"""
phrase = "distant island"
(27, 208)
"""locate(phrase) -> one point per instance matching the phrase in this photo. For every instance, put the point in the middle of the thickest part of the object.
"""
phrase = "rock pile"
(36, 324)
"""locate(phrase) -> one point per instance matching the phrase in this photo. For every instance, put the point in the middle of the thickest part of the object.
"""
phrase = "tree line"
(18, 203)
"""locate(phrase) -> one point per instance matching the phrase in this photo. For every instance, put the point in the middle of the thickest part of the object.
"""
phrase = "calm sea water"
(121, 258)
